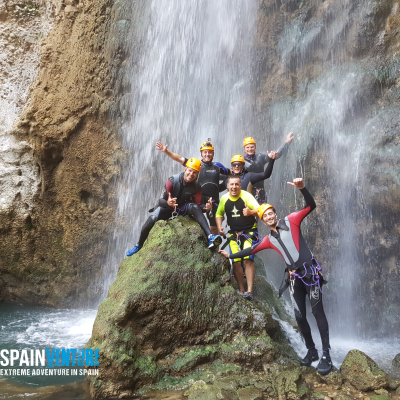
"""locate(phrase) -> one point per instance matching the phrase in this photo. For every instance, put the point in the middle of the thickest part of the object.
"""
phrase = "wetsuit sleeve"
(198, 197)
(260, 176)
(163, 201)
(221, 207)
(249, 200)
(282, 150)
(297, 217)
(222, 169)
(265, 244)
(223, 185)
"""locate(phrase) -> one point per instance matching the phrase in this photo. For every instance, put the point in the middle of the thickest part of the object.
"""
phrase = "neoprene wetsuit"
(248, 179)
(242, 228)
(256, 163)
(208, 179)
(290, 244)
(188, 198)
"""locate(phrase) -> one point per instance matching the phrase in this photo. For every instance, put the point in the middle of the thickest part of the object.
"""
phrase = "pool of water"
(37, 328)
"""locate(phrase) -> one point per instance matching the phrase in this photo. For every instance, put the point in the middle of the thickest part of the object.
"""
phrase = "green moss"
(147, 366)
(194, 357)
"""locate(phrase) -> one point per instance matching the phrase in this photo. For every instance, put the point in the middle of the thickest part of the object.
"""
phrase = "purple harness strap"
(314, 271)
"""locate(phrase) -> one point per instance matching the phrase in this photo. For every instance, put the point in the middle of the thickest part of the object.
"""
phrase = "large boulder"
(171, 310)
(362, 372)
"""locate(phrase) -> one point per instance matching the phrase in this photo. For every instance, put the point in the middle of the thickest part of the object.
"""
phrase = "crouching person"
(181, 195)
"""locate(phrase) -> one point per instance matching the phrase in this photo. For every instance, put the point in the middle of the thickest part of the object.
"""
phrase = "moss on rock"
(171, 311)
(362, 372)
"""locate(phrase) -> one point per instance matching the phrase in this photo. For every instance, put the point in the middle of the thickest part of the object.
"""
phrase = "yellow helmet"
(237, 158)
(264, 207)
(194, 163)
(207, 146)
(248, 140)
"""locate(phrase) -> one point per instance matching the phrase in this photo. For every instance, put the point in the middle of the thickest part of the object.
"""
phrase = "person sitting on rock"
(182, 195)
(209, 177)
(303, 272)
(248, 179)
(240, 208)
(255, 162)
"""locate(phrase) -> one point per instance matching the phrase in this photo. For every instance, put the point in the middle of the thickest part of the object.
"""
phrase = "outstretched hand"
(161, 147)
(171, 201)
(208, 204)
(289, 137)
(224, 253)
(298, 183)
(272, 155)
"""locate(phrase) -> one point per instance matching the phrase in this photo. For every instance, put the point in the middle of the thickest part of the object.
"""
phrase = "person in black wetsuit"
(303, 272)
(255, 162)
(248, 179)
(209, 177)
(181, 194)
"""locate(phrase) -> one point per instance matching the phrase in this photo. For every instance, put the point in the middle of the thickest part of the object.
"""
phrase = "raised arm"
(298, 216)
(170, 154)
(261, 176)
(285, 147)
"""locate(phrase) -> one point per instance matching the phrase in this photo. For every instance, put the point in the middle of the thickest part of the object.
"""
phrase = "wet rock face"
(170, 311)
(294, 42)
(396, 360)
(64, 148)
(362, 372)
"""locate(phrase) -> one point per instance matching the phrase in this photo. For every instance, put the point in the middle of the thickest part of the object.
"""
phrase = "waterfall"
(200, 71)
(192, 82)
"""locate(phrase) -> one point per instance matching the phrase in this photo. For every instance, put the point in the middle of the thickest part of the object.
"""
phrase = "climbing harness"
(242, 236)
(312, 271)
(180, 213)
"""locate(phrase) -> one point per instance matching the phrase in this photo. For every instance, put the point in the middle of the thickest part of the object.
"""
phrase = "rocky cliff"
(67, 150)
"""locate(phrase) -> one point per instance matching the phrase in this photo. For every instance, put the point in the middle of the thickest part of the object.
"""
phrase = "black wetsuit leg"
(194, 210)
(300, 292)
(160, 213)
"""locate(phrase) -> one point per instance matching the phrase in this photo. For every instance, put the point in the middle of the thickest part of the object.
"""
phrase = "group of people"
(195, 192)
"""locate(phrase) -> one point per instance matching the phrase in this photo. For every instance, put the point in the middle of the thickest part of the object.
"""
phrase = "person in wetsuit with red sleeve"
(182, 194)
(304, 273)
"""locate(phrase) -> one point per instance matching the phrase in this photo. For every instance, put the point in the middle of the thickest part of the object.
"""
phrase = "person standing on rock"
(209, 177)
(255, 162)
(182, 195)
(240, 208)
(303, 272)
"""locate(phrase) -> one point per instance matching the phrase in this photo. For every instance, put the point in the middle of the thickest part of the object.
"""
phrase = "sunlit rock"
(362, 372)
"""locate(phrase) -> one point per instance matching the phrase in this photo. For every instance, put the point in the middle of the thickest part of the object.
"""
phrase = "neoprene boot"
(325, 365)
(312, 355)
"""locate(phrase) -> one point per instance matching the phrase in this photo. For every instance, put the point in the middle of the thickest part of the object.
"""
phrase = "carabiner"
(174, 214)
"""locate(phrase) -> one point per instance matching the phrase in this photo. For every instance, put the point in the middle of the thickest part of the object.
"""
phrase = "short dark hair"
(232, 176)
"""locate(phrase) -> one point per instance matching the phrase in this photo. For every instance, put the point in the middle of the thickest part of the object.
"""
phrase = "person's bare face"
(234, 187)
(190, 174)
(207, 155)
(250, 149)
(269, 218)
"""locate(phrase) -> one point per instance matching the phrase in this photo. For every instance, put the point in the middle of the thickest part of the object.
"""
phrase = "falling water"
(193, 82)
(193, 79)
